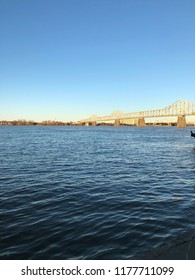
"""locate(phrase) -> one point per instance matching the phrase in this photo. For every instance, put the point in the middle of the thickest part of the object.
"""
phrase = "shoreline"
(104, 124)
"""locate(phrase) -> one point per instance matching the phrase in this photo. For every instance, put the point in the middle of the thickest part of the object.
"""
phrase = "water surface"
(93, 192)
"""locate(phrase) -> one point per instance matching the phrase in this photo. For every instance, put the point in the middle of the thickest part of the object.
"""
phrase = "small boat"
(192, 134)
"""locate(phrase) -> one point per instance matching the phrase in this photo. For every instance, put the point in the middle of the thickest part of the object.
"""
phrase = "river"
(94, 192)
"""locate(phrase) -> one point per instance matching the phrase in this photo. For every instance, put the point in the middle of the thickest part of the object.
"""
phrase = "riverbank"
(59, 123)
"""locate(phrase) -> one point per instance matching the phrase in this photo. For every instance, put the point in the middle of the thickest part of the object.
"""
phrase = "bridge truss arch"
(181, 107)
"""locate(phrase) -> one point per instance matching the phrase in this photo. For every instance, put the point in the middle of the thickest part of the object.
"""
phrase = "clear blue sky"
(69, 59)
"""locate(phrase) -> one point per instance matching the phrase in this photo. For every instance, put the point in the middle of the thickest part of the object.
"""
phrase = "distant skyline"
(68, 59)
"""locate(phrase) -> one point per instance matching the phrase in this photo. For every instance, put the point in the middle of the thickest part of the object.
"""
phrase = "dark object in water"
(192, 134)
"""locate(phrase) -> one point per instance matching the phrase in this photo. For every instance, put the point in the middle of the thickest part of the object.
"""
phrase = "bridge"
(179, 109)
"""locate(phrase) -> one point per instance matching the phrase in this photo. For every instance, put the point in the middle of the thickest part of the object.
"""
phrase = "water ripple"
(93, 193)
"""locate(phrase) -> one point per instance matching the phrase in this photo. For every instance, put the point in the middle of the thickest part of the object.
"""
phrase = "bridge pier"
(141, 122)
(117, 122)
(181, 121)
(90, 124)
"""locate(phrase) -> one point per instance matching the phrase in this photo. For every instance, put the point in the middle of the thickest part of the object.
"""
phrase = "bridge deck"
(178, 108)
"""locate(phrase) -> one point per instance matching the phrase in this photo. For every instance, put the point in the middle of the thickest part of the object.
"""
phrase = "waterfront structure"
(179, 109)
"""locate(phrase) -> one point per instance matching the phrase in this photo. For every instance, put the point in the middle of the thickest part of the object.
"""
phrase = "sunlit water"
(94, 192)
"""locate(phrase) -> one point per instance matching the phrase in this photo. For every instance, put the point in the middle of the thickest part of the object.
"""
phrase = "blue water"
(94, 192)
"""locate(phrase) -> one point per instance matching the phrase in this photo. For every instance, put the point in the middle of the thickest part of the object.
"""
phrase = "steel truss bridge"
(179, 108)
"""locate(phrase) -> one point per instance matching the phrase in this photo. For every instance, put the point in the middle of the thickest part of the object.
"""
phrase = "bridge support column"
(141, 122)
(93, 123)
(117, 123)
(181, 121)
(86, 124)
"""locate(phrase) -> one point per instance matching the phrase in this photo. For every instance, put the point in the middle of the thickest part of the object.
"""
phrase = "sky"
(69, 59)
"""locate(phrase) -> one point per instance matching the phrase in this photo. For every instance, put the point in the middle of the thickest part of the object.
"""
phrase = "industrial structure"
(179, 109)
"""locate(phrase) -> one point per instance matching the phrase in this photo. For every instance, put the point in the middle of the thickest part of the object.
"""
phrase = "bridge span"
(179, 109)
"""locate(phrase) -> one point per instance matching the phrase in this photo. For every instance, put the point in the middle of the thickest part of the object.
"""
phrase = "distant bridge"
(180, 109)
